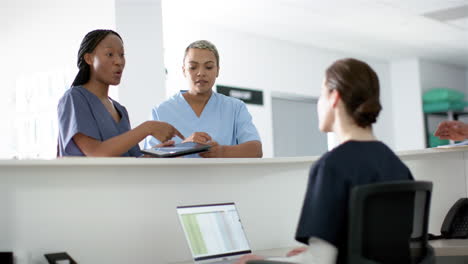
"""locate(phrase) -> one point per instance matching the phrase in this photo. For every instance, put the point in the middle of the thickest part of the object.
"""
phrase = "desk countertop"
(80, 161)
(450, 247)
(274, 252)
(175, 162)
(443, 247)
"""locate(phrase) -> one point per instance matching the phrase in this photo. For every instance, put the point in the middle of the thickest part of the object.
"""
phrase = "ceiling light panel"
(421, 6)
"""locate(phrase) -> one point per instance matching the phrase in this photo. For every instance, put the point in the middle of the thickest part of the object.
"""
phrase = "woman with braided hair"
(90, 122)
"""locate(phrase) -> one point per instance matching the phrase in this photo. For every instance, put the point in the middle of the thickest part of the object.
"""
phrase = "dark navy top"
(325, 209)
(80, 111)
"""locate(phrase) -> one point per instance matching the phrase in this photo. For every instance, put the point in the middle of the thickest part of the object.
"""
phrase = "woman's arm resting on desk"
(244, 259)
(296, 251)
(120, 144)
(250, 149)
(318, 252)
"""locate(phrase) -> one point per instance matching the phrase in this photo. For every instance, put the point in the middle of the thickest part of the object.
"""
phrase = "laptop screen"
(213, 231)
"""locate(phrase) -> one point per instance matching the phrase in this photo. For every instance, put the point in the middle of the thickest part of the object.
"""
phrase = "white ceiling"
(386, 29)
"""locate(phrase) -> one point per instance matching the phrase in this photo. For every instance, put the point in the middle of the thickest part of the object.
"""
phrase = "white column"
(407, 105)
(143, 83)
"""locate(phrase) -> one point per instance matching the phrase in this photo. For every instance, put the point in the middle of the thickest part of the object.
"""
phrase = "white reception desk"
(122, 210)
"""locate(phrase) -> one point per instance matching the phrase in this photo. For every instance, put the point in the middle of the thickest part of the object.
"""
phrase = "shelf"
(455, 113)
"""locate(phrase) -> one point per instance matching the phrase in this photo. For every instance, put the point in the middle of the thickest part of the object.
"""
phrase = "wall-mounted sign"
(249, 96)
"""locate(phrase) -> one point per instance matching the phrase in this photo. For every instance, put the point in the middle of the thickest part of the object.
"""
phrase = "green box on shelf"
(443, 94)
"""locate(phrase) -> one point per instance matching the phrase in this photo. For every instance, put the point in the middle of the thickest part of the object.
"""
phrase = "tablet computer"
(177, 150)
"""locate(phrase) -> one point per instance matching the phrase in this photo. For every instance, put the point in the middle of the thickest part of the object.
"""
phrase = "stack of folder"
(443, 100)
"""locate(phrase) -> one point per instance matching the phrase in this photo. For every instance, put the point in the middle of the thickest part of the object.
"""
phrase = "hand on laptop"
(244, 259)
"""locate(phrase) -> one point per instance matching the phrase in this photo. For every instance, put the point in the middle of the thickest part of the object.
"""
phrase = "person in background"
(453, 130)
(348, 105)
(208, 117)
(90, 122)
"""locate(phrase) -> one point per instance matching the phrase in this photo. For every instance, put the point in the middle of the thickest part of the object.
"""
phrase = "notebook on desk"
(214, 232)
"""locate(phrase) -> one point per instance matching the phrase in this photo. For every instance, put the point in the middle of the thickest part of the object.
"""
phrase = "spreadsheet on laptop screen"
(213, 230)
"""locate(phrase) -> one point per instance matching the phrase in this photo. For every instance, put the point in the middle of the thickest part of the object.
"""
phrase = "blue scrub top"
(80, 111)
(224, 118)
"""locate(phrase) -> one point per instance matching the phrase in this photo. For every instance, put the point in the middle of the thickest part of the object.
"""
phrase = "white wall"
(47, 34)
(439, 75)
(42, 39)
(7, 86)
(143, 85)
(269, 65)
(407, 105)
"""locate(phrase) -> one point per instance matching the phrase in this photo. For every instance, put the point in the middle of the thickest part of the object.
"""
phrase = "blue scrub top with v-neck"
(224, 118)
(80, 111)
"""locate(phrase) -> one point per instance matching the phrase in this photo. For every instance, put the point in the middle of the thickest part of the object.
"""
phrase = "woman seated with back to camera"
(205, 116)
(348, 106)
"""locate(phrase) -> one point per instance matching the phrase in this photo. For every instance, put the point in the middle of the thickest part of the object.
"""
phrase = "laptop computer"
(214, 232)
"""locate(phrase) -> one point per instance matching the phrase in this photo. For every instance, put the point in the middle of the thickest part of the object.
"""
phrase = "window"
(35, 122)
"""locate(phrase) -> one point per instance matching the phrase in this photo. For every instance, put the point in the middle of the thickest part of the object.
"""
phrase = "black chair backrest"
(388, 223)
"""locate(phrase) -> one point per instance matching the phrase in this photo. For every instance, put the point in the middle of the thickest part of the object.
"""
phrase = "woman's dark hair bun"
(366, 114)
(359, 89)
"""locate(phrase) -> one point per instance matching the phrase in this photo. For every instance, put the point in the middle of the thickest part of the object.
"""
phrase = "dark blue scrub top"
(325, 209)
(80, 111)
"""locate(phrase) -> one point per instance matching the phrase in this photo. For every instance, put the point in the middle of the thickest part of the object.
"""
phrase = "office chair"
(388, 223)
